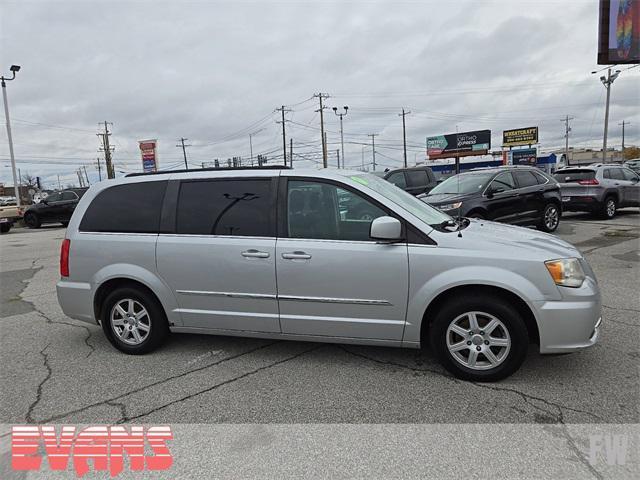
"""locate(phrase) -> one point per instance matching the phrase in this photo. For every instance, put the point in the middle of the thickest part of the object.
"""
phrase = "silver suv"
(287, 254)
(600, 189)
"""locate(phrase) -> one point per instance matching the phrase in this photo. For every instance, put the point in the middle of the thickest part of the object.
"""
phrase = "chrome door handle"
(296, 256)
(252, 253)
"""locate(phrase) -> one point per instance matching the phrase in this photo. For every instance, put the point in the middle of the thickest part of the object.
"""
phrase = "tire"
(508, 339)
(114, 319)
(5, 227)
(477, 215)
(550, 218)
(31, 220)
(609, 208)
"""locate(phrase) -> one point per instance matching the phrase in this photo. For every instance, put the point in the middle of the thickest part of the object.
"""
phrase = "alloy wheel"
(611, 207)
(478, 340)
(130, 321)
(551, 217)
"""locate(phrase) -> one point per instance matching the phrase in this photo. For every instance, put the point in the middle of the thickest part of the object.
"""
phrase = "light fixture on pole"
(335, 110)
(14, 69)
(607, 82)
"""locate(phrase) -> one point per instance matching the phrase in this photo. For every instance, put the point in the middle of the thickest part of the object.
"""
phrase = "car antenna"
(459, 206)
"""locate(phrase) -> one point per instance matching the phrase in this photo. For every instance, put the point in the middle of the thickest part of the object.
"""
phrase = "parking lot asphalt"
(55, 369)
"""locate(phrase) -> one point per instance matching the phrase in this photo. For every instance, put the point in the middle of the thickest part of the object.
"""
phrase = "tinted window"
(128, 208)
(525, 178)
(471, 182)
(629, 175)
(417, 178)
(616, 173)
(225, 207)
(574, 175)
(502, 182)
(324, 211)
(397, 179)
(69, 196)
(540, 177)
(54, 197)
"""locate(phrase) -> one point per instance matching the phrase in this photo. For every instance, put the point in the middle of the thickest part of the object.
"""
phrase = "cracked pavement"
(58, 370)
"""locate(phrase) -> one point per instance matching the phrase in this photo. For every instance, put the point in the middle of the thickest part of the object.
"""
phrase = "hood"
(510, 239)
(441, 198)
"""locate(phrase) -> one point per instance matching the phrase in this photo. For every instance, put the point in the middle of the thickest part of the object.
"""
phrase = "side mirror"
(386, 229)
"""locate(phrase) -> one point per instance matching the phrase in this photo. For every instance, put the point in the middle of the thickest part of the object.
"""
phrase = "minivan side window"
(235, 207)
(317, 210)
(126, 208)
(398, 179)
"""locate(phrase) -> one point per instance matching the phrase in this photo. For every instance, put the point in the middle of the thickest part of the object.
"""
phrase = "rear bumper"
(573, 323)
(76, 300)
(580, 203)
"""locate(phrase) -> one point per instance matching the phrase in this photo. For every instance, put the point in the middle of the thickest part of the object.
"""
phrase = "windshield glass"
(411, 204)
(463, 183)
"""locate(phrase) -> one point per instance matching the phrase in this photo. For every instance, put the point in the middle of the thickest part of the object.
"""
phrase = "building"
(587, 156)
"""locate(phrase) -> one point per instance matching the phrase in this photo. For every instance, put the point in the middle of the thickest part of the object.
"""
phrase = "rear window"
(128, 208)
(417, 178)
(574, 175)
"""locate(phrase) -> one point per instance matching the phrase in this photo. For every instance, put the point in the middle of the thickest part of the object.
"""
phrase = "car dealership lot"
(59, 370)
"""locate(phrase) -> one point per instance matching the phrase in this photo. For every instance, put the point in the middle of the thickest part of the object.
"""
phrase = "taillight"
(590, 181)
(64, 257)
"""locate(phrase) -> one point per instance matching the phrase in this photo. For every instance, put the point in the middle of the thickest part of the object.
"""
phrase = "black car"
(56, 208)
(518, 195)
(415, 180)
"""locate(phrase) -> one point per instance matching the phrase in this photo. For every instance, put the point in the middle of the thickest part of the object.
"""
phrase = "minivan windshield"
(463, 183)
(411, 204)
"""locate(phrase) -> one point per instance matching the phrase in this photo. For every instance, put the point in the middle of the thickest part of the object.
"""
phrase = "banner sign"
(525, 156)
(520, 136)
(459, 144)
(149, 155)
(619, 32)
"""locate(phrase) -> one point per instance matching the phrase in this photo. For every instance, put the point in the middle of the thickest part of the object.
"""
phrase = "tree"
(631, 152)
(29, 180)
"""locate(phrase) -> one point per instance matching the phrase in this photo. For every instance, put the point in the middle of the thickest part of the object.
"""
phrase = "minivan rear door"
(219, 259)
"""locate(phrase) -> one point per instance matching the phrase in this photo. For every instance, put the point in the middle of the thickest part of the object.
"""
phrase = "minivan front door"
(220, 261)
(333, 280)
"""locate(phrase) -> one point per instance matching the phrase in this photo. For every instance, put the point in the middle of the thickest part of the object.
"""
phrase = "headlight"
(566, 272)
(450, 206)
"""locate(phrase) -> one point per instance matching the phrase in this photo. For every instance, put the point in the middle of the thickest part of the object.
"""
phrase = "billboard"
(520, 136)
(525, 156)
(619, 32)
(149, 155)
(459, 144)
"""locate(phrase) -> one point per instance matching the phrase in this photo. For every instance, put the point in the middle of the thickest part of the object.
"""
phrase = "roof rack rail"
(209, 169)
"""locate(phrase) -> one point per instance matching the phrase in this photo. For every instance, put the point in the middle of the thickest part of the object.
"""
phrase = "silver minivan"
(289, 254)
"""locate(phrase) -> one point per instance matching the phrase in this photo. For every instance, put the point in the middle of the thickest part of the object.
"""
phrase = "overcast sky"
(214, 72)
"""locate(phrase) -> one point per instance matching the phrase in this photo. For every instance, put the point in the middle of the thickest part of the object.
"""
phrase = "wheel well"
(486, 291)
(110, 285)
(613, 194)
(479, 210)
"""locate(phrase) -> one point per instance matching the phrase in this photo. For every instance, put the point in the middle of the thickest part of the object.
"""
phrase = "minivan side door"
(219, 256)
(333, 279)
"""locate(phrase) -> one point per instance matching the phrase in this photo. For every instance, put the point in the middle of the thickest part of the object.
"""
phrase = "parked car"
(55, 208)
(9, 214)
(517, 195)
(600, 189)
(633, 164)
(271, 253)
(415, 180)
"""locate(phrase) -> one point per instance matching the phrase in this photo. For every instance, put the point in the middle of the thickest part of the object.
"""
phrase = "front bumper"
(572, 323)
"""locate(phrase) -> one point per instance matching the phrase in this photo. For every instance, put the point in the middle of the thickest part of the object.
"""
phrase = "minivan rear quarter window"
(239, 207)
(127, 208)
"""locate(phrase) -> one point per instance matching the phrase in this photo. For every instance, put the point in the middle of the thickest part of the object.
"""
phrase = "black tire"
(485, 307)
(609, 207)
(157, 320)
(5, 227)
(31, 220)
(478, 215)
(550, 218)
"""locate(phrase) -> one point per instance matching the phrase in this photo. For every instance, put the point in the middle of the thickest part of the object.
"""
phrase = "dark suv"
(518, 195)
(415, 180)
(56, 208)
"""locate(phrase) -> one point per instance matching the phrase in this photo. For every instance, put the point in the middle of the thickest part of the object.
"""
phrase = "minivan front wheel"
(133, 321)
(480, 339)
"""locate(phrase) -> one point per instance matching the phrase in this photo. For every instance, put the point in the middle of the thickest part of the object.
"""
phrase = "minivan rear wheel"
(480, 339)
(134, 321)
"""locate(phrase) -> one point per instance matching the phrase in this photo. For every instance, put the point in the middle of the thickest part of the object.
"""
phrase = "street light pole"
(607, 82)
(335, 110)
(13, 69)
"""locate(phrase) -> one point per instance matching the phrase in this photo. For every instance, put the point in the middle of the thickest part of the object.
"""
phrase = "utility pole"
(373, 146)
(59, 184)
(99, 169)
(567, 129)
(335, 110)
(184, 151)
(284, 136)
(404, 135)
(86, 175)
(14, 69)
(251, 143)
(291, 152)
(607, 82)
(107, 150)
(322, 135)
(338, 156)
(623, 124)
(80, 181)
